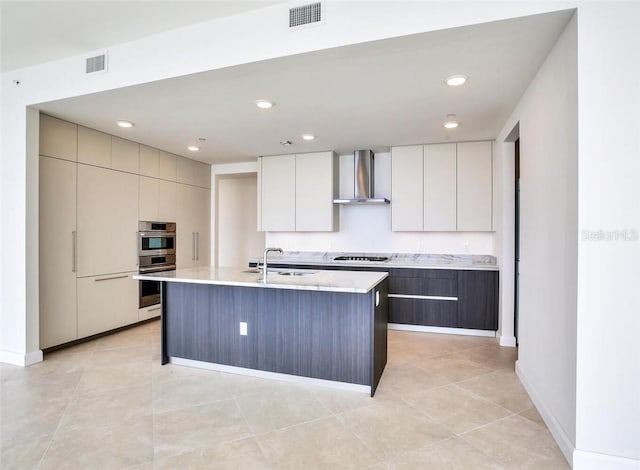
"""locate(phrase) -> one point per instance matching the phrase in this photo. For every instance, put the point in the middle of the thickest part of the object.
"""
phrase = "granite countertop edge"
(325, 281)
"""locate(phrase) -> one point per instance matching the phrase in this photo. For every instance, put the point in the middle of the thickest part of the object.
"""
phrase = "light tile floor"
(449, 402)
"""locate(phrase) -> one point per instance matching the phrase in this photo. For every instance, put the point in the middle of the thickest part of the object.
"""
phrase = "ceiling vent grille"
(305, 14)
(96, 64)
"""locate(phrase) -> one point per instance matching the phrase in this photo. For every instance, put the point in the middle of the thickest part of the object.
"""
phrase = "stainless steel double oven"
(157, 252)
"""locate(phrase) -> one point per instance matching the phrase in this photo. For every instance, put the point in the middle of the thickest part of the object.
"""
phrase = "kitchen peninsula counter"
(322, 326)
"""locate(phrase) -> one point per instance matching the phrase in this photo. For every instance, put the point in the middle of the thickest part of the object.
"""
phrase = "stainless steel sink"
(296, 273)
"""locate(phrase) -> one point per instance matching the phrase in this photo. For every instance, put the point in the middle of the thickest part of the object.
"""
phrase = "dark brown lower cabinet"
(471, 295)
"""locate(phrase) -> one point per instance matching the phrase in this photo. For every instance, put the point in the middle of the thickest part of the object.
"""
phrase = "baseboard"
(509, 341)
(562, 439)
(270, 375)
(21, 360)
(583, 460)
(441, 330)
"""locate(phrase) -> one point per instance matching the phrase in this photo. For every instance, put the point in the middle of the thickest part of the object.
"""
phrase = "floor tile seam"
(428, 416)
(492, 371)
(171, 410)
(462, 436)
(258, 435)
(480, 397)
(380, 458)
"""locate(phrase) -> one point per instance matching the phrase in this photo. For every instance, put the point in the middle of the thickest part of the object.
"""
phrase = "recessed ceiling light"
(456, 80)
(193, 148)
(125, 124)
(286, 143)
(451, 122)
(264, 104)
(308, 136)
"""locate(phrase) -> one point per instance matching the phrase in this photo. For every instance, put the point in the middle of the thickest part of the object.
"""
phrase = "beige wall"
(238, 239)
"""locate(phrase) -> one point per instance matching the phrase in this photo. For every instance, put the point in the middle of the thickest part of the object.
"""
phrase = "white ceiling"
(70, 28)
(371, 95)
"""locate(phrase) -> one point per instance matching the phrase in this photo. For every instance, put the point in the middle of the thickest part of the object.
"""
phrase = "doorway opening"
(238, 239)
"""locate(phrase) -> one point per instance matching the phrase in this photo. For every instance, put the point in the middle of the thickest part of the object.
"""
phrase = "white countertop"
(357, 282)
(396, 260)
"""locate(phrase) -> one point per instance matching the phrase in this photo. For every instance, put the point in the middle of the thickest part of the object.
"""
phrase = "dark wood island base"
(335, 336)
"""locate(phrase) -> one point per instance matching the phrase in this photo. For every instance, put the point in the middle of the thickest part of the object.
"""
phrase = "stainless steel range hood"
(363, 170)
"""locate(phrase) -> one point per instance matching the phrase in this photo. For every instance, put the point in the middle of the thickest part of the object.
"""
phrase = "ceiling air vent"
(96, 64)
(305, 14)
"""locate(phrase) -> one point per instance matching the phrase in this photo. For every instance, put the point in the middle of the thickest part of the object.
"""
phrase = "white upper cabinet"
(407, 184)
(125, 155)
(94, 147)
(440, 187)
(58, 138)
(149, 162)
(167, 166)
(316, 187)
(193, 172)
(475, 186)
(296, 192)
(107, 221)
(277, 193)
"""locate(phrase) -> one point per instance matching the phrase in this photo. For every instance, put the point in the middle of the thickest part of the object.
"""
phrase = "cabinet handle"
(74, 249)
(421, 297)
(153, 309)
(197, 246)
(111, 278)
(193, 246)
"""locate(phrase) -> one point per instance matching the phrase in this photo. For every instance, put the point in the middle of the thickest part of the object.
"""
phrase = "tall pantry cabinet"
(91, 199)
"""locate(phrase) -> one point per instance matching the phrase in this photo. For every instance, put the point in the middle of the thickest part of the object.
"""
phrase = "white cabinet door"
(185, 172)
(148, 205)
(149, 161)
(106, 302)
(58, 138)
(407, 199)
(107, 221)
(315, 190)
(94, 147)
(277, 196)
(440, 187)
(202, 174)
(167, 166)
(185, 226)
(475, 187)
(202, 225)
(193, 221)
(58, 322)
(167, 203)
(125, 155)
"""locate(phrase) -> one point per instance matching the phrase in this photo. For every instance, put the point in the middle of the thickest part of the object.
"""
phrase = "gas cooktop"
(361, 258)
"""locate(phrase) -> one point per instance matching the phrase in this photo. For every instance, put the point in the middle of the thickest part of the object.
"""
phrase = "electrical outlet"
(243, 328)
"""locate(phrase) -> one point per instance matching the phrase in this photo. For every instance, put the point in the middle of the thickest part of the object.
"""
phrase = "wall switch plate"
(243, 328)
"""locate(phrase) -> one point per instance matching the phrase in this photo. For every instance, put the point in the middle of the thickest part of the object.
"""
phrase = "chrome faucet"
(264, 261)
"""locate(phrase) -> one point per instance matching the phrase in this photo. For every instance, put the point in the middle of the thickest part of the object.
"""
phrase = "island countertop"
(395, 260)
(357, 282)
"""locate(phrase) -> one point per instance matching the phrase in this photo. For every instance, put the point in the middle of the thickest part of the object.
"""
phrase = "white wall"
(548, 124)
(368, 228)
(608, 348)
(238, 236)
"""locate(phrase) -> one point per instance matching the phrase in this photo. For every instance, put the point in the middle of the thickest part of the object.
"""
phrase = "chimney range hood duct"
(363, 170)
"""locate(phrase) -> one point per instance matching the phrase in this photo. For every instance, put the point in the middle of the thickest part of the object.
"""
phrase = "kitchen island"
(314, 325)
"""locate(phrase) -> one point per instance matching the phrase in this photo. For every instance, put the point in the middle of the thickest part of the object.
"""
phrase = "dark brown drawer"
(425, 287)
(423, 312)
